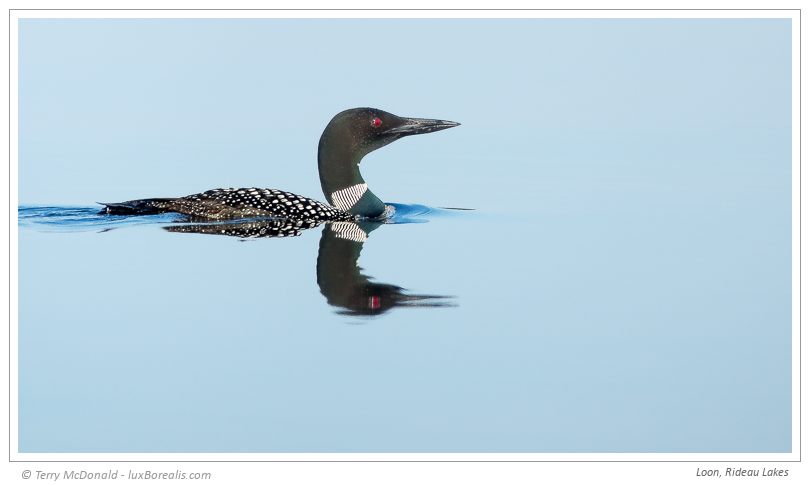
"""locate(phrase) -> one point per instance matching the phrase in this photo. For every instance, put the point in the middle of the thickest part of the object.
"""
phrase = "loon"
(349, 136)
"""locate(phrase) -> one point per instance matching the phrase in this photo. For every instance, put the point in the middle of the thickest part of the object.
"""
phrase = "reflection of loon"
(343, 285)
(345, 141)
(338, 274)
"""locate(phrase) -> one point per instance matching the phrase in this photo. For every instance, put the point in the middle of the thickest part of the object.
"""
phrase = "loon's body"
(350, 136)
(233, 203)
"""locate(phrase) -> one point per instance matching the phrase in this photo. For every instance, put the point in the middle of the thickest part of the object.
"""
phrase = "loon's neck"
(341, 181)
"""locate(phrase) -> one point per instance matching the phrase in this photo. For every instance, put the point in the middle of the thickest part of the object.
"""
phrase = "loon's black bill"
(415, 126)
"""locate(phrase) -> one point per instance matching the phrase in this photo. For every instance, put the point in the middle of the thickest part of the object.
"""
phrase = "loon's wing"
(219, 204)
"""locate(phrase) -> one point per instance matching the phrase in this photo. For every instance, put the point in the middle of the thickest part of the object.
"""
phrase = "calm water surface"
(462, 332)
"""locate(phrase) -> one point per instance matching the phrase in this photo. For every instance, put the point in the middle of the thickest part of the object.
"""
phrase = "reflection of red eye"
(376, 122)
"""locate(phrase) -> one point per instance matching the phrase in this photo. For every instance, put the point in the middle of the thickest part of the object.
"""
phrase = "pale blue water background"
(623, 285)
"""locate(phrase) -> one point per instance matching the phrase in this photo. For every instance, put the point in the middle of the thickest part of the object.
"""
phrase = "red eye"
(376, 122)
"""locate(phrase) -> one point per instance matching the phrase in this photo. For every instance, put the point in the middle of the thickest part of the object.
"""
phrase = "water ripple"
(76, 218)
(79, 218)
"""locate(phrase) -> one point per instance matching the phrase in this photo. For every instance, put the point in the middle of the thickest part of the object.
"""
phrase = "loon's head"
(351, 135)
(367, 129)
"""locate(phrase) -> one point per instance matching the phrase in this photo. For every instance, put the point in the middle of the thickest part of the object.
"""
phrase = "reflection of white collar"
(349, 231)
(348, 197)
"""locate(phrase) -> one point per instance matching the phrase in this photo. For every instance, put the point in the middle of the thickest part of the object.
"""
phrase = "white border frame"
(794, 456)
